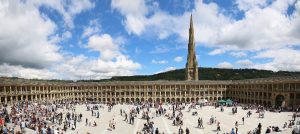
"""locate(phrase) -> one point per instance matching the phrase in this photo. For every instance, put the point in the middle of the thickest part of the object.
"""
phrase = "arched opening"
(132, 99)
(127, 100)
(279, 101)
(157, 100)
(173, 100)
(187, 100)
(2, 99)
(29, 97)
(193, 99)
(122, 100)
(150, 100)
(163, 100)
(168, 100)
(142, 99)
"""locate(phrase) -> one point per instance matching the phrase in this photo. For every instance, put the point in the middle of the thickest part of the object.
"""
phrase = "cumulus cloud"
(105, 45)
(224, 65)
(24, 36)
(29, 44)
(217, 52)
(81, 67)
(23, 72)
(166, 70)
(249, 4)
(238, 54)
(93, 28)
(134, 11)
(245, 63)
(178, 59)
(159, 61)
(286, 59)
(68, 9)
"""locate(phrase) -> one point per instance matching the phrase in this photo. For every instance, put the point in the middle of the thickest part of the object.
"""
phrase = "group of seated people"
(195, 113)
(271, 129)
(177, 121)
(148, 127)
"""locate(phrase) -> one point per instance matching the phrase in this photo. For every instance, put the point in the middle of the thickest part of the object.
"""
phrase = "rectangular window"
(292, 96)
(297, 96)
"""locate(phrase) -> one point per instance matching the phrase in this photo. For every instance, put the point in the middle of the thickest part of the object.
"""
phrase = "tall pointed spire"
(191, 22)
(192, 64)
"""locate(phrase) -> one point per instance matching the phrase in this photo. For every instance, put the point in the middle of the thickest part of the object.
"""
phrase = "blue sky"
(89, 39)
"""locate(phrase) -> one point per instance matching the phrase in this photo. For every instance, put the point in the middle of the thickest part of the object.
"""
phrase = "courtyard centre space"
(226, 118)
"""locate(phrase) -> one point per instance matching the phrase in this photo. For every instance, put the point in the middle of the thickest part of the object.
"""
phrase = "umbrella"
(228, 101)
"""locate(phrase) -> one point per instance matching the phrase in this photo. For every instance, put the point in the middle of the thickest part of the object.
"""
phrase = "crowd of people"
(58, 117)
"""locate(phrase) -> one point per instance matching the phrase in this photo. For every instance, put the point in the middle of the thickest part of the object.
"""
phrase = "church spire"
(191, 65)
(191, 22)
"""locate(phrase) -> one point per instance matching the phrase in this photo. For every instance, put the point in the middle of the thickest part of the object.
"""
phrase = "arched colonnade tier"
(260, 91)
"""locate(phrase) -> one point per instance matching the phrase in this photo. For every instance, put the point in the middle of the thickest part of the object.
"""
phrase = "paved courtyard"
(227, 121)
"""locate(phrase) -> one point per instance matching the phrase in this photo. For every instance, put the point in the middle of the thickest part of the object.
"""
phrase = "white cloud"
(166, 70)
(67, 35)
(238, 54)
(29, 44)
(249, 4)
(160, 49)
(159, 61)
(225, 65)
(23, 72)
(134, 10)
(105, 45)
(81, 67)
(169, 69)
(133, 7)
(217, 52)
(26, 36)
(68, 10)
(178, 59)
(93, 28)
(285, 59)
(112, 62)
(245, 63)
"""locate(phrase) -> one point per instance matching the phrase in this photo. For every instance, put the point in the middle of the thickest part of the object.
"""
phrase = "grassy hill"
(205, 74)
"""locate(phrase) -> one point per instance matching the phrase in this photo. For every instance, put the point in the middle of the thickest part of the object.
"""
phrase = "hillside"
(206, 74)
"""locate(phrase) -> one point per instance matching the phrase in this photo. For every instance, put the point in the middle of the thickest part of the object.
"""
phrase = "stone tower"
(191, 70)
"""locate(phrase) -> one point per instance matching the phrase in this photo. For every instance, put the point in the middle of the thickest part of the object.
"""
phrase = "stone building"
(281, 91)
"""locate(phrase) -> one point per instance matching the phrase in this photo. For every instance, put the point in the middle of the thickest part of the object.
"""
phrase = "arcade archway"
(279, 100)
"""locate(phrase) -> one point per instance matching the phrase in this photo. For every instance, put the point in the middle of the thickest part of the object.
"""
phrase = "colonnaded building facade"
(279, 91)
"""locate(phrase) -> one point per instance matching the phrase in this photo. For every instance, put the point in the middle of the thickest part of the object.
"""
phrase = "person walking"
(232, 131)
(180, 130)
(259, 128)
(200, 123)
(236, 126)
(156, 131)
(187, 131)
(218, 126)
(243, 119)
